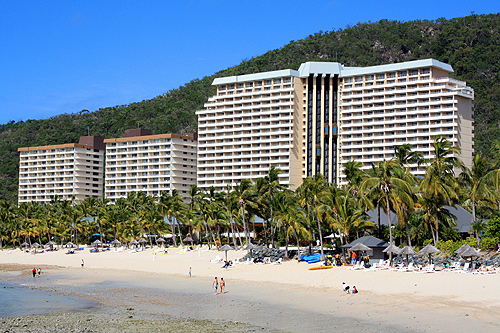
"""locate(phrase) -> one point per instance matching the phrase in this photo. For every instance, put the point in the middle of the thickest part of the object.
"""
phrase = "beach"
(285, 297)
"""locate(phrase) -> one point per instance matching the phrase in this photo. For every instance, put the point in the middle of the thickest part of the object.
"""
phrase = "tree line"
(294, 217)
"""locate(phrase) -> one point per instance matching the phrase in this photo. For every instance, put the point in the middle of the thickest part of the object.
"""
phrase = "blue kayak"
(311, 258)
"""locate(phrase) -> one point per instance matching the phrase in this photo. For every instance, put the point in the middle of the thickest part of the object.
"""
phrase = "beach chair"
(465, 269)
(410, 268)
(356, 266)
(375, 267)
(397, 268)
(427, 269)
(278, 262)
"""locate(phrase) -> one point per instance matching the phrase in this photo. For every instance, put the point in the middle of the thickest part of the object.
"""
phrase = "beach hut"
(429, 249)
(407, 250)
(226, 248)
(375, 245)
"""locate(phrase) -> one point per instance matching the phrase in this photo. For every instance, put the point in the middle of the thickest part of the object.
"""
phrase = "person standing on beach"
(34, 272)
(222, 285)
(189, 272)
(39, 271)
(83, 263)
(215, 285)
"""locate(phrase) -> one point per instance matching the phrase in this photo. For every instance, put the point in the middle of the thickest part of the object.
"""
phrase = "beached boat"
(319, 267)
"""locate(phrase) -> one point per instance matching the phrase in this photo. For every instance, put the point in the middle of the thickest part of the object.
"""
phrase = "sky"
(66, 56)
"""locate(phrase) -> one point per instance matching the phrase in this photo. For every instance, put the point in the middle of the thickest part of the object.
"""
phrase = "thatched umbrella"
(226, 248)
(463, 248)
(359, 247)
(70, 244)
(407, 250)
(391, 249)
(35, 245)
(51, 244)
(250, 247)
(97, 242)
(134, 242)
(188, 239)
(470, 252)
(25, 244)
(429, 249)
(161, 240)
(116, 242)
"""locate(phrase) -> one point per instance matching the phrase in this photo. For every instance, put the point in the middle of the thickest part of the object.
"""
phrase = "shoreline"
(280, 297)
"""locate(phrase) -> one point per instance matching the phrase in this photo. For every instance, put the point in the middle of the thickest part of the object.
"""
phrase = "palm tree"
(290, 217)
(309, 198)
(439, 182)
(245, 196)
(384, 181)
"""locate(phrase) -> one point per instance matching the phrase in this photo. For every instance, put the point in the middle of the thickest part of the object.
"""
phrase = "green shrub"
(427, 242)
(489, 243)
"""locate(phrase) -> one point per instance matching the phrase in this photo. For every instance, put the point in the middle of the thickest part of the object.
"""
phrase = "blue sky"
(65, 56)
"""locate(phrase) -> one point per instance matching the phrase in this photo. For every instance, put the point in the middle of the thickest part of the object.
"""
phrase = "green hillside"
(470, 44)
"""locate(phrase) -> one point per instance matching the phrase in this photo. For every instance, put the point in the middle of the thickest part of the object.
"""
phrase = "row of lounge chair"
(456, 267)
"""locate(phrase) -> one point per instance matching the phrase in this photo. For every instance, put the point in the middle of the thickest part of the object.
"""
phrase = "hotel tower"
(315, 119)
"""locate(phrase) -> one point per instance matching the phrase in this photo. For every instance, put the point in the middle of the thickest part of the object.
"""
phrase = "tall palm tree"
(309, 198)
(439, 182)
(385, 181)
(245, 196)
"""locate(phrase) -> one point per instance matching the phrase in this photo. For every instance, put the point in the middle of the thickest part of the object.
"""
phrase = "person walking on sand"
(189, 274)
(222, 285)
(34, 272)
(83, 263)
(216, 285)
(39, 271)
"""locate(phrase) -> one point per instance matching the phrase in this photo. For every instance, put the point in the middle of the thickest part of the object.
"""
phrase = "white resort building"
(71, 171)
(141, 161)
(315, 119)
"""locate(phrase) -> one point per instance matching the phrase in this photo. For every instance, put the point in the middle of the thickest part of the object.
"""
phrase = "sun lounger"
(465, 269)
(397, 268)
(356, 266)
(277, 262)
(427, 269)
(410, 268)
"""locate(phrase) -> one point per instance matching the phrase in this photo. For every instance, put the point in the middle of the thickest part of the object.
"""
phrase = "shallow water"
(24, 300)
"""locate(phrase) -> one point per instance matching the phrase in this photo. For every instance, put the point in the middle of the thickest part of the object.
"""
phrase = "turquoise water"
(20, 300)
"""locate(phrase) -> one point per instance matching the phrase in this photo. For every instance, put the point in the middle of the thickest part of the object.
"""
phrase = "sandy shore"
(286, 297)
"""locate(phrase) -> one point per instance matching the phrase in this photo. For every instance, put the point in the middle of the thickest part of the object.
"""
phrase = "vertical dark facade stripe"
(326, 129)
(318, 125)
(334, 129)
(309, 124)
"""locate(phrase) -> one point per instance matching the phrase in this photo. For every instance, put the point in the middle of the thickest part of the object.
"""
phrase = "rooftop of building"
(147, 135)
(333, 68)
(88, 142)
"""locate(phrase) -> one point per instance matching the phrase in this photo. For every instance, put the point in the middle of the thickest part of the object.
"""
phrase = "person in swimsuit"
(216, 285)
(222, 285)
(83, 263)
(39, 271)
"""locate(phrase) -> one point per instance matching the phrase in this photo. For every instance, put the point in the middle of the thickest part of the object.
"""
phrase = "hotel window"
(402, 73)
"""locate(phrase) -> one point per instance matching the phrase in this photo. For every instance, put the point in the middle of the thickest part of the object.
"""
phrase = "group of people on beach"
(216, 285)
(36, 271)
(347, 289)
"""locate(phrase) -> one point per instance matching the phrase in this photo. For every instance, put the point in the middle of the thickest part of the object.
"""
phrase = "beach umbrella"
(250, 247)
(188, 239)
(97, 242)
(116, 242)
(142, 240)
(470, 252)
(160, 240)
(407, 250)
(360, 247)
(70, 244)
(25, 244)
(134, 242)
(226, 248)
(35, 245)
(463, 248)
(391, 249)
(429, 249)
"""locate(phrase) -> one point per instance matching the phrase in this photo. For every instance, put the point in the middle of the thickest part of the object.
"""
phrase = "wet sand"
(284, 297)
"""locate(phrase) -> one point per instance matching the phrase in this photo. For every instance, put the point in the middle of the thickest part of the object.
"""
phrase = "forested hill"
(470, 44)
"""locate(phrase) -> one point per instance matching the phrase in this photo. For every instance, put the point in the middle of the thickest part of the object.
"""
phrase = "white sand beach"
(441, 301)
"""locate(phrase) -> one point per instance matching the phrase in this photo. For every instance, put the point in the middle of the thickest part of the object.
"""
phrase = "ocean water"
(20, 300)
